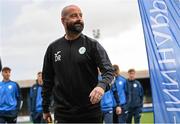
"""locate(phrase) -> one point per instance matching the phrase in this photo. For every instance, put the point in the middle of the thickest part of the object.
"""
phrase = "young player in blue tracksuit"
(118, 89)
(134, 98)
(36, 100)
(107, 103)
(114, 100)
(10, 98)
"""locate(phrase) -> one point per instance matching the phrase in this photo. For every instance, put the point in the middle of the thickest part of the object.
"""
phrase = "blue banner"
(161, 26)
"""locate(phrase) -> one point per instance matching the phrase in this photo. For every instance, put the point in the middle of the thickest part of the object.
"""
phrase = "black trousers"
(136, 112)
(37, 117)
(76, 119)
(120, 118)
(8, 119)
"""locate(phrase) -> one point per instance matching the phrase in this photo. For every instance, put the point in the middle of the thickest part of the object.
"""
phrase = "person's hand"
(118, 110)
(47, 117)
(96, 94)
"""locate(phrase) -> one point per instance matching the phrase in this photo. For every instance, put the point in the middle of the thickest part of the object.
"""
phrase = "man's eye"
(73, 15)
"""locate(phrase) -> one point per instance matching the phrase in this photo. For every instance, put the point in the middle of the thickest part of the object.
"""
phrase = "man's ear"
(62, 20)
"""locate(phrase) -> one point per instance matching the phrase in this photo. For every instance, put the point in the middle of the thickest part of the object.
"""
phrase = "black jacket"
(70, 71)
(135, 94)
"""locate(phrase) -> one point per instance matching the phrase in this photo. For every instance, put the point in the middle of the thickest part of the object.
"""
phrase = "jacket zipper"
(70, 62)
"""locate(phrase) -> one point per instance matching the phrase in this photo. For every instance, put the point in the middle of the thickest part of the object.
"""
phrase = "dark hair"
(6, 69)
(39, 73)
(115, 68)
(131, 70)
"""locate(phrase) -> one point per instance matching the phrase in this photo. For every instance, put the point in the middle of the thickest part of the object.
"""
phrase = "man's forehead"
(70, 9)
(6, 71)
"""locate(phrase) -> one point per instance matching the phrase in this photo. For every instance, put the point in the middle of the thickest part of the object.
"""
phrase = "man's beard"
(75, 28)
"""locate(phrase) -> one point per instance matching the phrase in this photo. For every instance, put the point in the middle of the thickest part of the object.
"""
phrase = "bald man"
(70, 73)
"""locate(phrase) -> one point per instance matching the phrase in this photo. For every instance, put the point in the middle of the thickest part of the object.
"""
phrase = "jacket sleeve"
(48, 80)
(19, 98)
(141, 93)
(104, 64)
(115, 94)
(126, 87)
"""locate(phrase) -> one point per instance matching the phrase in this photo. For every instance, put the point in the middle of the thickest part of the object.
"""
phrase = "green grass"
(147, 118)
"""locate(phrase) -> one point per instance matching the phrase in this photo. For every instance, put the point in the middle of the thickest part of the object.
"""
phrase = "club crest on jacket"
(82, 50)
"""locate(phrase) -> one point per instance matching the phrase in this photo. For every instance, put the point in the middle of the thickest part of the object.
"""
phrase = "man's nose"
(79, 17)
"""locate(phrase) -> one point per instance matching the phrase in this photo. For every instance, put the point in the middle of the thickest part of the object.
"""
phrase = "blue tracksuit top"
(36, 98)
(108, 101)
(39, 100)
(10, 98)
(120, 86)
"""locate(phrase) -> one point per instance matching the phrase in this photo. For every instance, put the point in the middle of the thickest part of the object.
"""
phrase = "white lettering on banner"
(166, 37)
(172, 81)
(159, 15)
(164, 59)
(159, 21)
(156, 8)
(173, 109)
(157, 24)
(176, 100)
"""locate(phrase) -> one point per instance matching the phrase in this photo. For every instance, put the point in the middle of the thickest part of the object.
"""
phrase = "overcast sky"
(29, 26)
